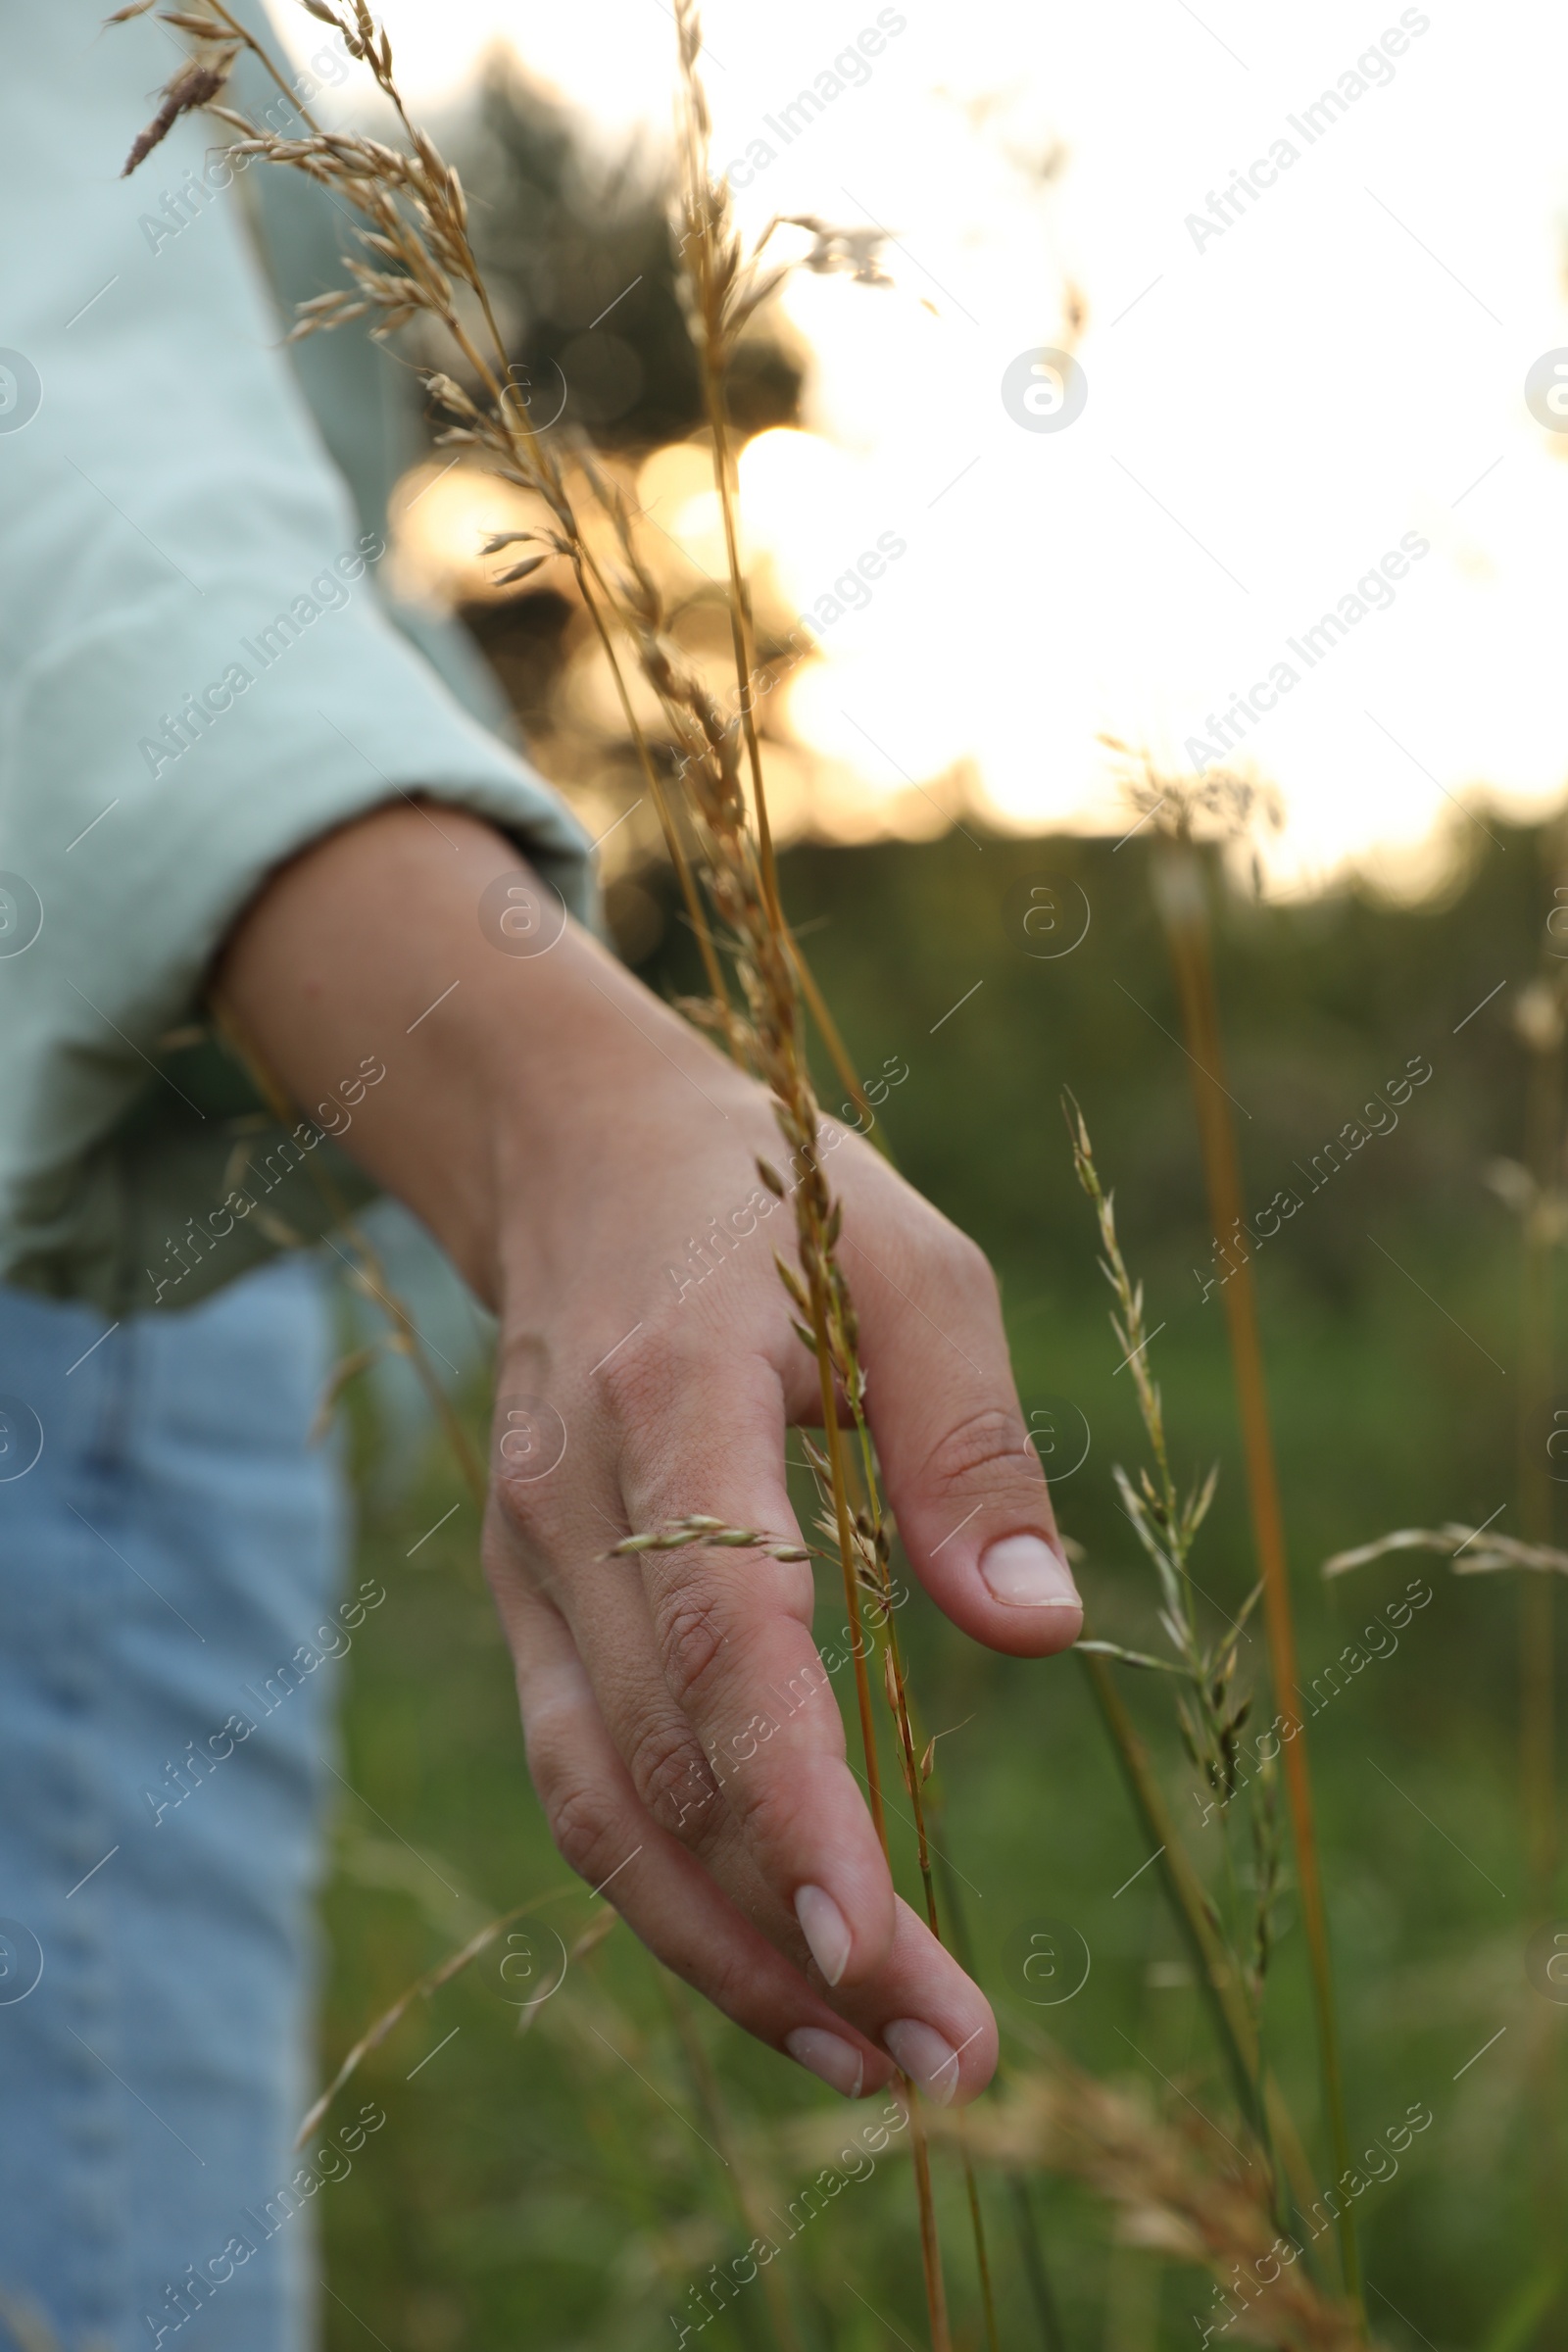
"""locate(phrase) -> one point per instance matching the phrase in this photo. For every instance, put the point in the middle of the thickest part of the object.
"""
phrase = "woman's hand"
(589, 1162)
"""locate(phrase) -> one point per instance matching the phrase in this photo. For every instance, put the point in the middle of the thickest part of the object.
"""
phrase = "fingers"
(965, 1484)
(663, 1893)
(732, 1635)
(766, 1820)
(932, 2018)
(920, 2012)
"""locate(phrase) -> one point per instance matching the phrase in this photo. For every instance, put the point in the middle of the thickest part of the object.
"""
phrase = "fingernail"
(921, 2053)
(1026, 1573)
(825, 1929)
(838, 2063)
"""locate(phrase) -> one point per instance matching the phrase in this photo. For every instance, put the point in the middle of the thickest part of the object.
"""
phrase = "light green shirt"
(198, 673)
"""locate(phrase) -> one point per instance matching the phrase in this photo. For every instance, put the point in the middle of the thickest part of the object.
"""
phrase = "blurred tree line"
(576, 245)
(527, 2186)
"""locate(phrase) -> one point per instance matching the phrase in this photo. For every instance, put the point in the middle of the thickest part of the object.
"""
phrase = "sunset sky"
(1276, 400)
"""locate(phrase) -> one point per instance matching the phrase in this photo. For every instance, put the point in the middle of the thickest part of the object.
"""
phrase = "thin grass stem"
(848, 1562)
(1229, 2015)
(838, 1052)
(717, 986)
(417, 224)
(936, 2293)
(1183, 906)
(988, 2300)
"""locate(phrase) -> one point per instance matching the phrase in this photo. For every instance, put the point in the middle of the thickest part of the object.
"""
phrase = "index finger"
(970, 1495)
(732, 1629)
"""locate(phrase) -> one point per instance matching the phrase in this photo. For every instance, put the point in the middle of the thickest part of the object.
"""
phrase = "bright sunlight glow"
(1274, 407)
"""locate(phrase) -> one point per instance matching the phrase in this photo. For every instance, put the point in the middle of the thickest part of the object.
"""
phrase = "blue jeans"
(170, 1557)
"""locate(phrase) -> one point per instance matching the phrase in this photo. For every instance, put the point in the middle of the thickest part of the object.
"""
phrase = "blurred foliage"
(576, 244)
(559, 2188)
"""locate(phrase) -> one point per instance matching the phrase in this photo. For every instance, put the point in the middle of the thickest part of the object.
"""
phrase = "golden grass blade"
(717, 296)
(1178, 2192)
(416, 237)
(695, 911)
(1491, 1552)
(838, 1052)
(988, 2300)
(345, 1370)
(421, 1989)
(1182, 907)
(1216, 1979)
(596, 1932)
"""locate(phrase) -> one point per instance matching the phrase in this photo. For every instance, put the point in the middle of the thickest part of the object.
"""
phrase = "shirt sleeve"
(197, 675)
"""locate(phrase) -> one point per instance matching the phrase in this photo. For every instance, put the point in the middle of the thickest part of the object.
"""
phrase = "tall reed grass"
(703, 762)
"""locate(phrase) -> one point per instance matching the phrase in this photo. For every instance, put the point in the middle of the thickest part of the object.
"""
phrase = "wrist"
(523, 1065)
(369, 944)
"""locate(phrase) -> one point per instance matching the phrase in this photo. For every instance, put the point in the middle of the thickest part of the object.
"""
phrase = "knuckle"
(582, 1821)
(508, 1559)
(529, 1442)
(585, 1819)
(584, 1831)
(520, 1551)
(671, 1774)
(692, 1635)
(987, 1441)
(522, 1511)
(652, 1365)
(973, 1267)
(772, 1810)
(959, 1259)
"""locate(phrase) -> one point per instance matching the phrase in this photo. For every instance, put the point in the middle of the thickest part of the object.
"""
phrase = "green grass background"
(558, 2187)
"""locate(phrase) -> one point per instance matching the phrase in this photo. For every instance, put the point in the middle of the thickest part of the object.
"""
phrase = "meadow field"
(576, 2172)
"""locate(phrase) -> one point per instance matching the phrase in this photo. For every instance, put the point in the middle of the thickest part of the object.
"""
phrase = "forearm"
(508, 1074)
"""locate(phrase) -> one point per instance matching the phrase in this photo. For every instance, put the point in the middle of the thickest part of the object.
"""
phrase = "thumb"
(963, 1479)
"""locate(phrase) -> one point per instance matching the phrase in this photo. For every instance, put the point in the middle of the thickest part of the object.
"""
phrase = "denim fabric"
(173, 1547)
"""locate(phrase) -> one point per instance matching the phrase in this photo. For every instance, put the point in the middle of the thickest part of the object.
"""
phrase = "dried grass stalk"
(1175, 2186)
(433, 1981)
(1470, 1551)
(1178, 2193)
(417, 260)
(1209, 1711)
(1180, 890)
